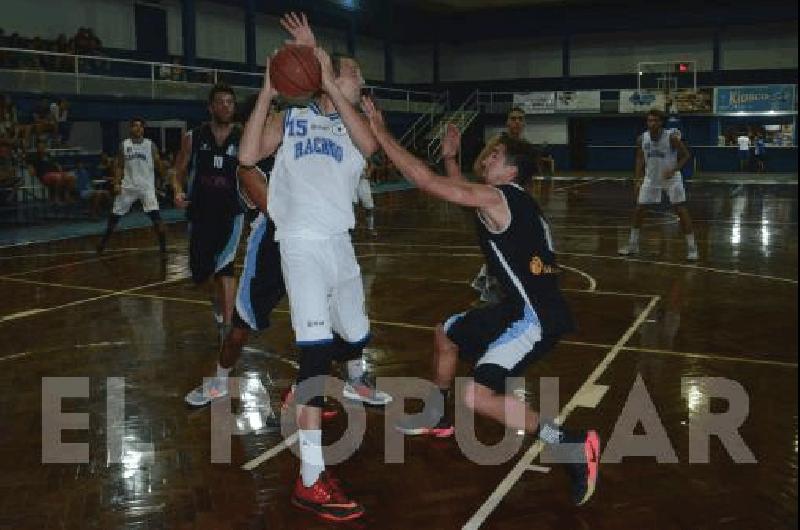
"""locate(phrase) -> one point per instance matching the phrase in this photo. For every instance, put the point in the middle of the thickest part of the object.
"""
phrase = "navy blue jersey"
(524, 262)
(213, 189)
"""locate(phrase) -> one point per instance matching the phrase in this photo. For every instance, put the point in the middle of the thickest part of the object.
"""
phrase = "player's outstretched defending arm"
(487, 198)
(355, 122)
(451, 144)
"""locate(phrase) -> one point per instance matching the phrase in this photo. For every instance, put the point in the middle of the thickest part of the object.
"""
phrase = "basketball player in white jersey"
(321, 152)
(137, 161)
(660, 155)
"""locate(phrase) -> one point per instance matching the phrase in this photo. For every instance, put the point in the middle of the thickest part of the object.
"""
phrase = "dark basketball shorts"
(501, 340)
(261, 286)
(212, 247)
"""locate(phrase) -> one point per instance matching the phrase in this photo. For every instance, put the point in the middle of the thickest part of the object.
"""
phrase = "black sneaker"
(583, 472)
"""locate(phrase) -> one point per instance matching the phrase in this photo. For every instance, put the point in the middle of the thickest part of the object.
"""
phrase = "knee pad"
(315, 364)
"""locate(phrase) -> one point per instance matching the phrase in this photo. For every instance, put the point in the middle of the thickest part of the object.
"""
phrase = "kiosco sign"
(760, 98)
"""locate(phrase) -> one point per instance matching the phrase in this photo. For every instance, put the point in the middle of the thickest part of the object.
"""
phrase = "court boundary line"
(523, 464)
(111, 294)
(682, 265)
(70, 264)
(423, 327)
(620, 258)
(76, 252)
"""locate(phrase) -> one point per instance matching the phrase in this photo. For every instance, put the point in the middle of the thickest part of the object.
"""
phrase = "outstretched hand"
(297, 26)
(374, 115)
(326, 69)
(267, 83)
(451, 141)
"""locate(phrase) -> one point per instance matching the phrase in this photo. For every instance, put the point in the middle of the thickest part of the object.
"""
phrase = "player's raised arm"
(451, 145)
(297, 26)
(345, 99)
(263, 131)
(487, 198)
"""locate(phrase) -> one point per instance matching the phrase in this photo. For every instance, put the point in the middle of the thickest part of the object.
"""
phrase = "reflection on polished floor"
(66, 313)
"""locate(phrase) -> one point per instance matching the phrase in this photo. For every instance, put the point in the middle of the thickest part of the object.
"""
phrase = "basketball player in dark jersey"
(214, 209)
(502, 339)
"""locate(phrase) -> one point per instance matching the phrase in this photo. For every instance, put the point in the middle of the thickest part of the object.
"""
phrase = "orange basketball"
(295, 72)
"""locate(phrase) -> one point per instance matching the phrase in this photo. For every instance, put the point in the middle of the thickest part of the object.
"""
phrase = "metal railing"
(420, 127)
(462, 118)
(61, 73)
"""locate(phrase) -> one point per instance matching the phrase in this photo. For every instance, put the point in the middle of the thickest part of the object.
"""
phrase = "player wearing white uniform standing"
(321, 153)
(660, 155)
(137, 161)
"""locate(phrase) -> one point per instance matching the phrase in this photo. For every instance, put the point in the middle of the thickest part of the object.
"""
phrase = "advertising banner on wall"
(641, 101)
(583, 101)
(686, 100)
(536, 102)
(758, 98)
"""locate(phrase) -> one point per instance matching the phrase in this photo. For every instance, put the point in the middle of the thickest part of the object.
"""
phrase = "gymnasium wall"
(220, 32)
(473, 60)
(599, 54)
(755, 48)
(741, 48)
(370, 55)
(220, 37)
(413, 63)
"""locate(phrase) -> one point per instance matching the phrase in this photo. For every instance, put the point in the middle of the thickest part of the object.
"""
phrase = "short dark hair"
(658, 113)
(336, 62)
(516, 109)
(139, 119)
(220, 88)
(522, 155)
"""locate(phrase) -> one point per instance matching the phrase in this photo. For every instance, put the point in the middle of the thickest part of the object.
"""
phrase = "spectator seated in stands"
(8, 117)
(93, 191)
(172, 72)
(44, 124)
(9, 181)
(59, 111)
(59, 183)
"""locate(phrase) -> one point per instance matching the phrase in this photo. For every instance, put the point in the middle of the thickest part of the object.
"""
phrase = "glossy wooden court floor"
(67, 313)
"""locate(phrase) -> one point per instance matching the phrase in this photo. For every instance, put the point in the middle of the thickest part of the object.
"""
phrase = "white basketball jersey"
(658, 154)
(139, 164)
(317, 169)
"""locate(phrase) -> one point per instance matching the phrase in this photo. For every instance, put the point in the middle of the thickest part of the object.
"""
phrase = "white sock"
(312, 462)
(355, 369)
(634, 239)
(222, 373)
(690, 240)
